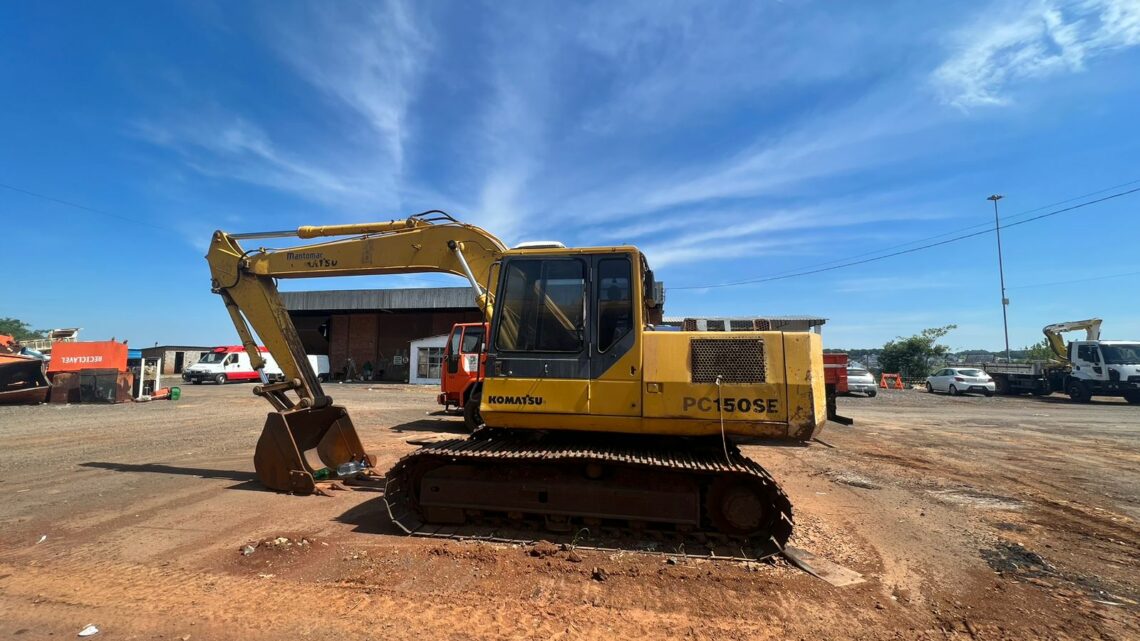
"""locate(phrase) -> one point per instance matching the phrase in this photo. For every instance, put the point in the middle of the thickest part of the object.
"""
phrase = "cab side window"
(472, 340)
(615, 301)
(453, 343)
(1087, 353)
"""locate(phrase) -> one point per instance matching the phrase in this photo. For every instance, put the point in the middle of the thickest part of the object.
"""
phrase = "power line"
(960, 229)
(911, 250)
(83, 207)
(1076, 280)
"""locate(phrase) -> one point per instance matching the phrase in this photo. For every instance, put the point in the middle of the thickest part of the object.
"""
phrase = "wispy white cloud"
(721, 232)
(1032, 40)
(227, 146)
(511, 130)
(371, 57)
(367, 61)
(669, 60)
(562, 122)
(765, 238)
(829, 143)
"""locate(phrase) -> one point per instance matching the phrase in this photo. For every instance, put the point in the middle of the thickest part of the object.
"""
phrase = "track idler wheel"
(738, 508)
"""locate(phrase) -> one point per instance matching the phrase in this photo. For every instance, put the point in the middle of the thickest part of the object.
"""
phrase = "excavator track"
(692, 496)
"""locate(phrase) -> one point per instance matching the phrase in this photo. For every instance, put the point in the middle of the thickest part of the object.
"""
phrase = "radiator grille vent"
(735, 360)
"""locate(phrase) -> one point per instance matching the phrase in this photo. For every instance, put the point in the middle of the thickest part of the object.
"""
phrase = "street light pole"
(1001, 274)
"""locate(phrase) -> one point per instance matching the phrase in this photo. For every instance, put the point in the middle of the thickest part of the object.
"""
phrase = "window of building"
(428, 361)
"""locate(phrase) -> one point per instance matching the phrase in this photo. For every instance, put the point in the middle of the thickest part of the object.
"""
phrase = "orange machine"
(72, 357)
(90, 372)
(21, 377)
(835, 382)
(464, 360)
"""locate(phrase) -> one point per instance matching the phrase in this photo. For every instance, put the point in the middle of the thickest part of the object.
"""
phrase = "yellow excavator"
(591, 415)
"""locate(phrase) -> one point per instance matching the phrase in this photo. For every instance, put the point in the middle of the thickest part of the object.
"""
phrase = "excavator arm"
(305, 417)
(1057, 342)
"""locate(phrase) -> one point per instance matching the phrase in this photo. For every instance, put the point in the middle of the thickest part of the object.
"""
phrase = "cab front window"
(542, 306)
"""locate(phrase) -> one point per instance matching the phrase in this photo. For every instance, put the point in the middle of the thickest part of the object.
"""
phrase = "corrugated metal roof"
(366, 299)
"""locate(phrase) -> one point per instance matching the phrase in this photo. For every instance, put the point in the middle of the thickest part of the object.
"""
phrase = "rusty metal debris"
(22, 380)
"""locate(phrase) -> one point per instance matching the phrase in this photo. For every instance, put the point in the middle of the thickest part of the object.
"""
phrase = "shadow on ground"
(443, 426)
(370, 517)
(246, 480)
(1096, 400)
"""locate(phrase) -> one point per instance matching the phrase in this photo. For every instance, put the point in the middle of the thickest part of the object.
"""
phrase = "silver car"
(862, 381)
(960, 380)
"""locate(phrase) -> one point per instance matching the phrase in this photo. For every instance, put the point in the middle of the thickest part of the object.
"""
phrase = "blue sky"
(729, 140)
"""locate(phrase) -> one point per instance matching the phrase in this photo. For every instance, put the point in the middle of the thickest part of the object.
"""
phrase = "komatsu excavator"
(590, 415)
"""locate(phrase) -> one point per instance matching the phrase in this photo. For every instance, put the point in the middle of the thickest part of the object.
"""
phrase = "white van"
(230, 363)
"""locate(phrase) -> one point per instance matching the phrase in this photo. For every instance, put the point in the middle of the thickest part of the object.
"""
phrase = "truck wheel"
(220, 379)
(471, 417)
(1132, 397)
(1079, 392)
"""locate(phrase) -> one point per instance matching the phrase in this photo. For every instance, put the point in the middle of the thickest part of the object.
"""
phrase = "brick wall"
(378, 338)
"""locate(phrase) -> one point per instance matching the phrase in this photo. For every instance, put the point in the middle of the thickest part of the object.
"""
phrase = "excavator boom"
(305, 417)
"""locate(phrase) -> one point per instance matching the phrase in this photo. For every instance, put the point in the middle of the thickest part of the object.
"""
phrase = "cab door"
(615, 355)
(1088, 362)
(449, 384)
(471, 352)
(233, 364)
(538, 358)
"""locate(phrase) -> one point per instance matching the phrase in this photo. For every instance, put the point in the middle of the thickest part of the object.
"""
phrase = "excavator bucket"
(280, 456)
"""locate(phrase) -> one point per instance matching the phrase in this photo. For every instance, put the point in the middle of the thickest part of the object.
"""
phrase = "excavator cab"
(565, 336)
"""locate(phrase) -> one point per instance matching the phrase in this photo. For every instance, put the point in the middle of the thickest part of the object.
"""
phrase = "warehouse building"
(368, 333)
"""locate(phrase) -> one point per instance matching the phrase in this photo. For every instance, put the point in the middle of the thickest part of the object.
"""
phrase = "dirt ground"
(971, 518)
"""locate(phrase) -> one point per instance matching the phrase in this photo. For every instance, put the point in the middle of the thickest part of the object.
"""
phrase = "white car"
(860, 380)
(960, 380)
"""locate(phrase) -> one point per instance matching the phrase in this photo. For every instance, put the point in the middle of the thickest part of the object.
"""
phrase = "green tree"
(1039, 351)
(19, 330)
(912, 356)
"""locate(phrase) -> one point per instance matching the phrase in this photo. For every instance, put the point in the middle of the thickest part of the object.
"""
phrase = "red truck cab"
(835, 382)
(463, 361)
